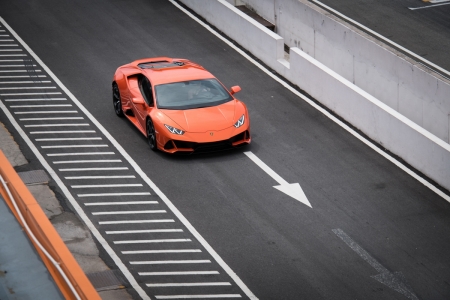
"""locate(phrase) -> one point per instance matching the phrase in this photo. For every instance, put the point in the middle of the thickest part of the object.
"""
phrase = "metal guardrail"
(66, 272)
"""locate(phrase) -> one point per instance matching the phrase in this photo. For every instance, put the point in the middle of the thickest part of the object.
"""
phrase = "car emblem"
(211, 133)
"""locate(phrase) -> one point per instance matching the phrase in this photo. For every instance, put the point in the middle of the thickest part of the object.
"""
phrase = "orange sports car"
(179, 106)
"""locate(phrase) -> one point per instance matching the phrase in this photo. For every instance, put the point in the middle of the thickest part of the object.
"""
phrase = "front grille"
(212, 146)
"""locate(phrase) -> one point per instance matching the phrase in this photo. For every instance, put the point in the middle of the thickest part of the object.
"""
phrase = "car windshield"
(191, 94)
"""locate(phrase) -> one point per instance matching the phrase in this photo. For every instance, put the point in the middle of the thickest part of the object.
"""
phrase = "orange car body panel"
(202, 126)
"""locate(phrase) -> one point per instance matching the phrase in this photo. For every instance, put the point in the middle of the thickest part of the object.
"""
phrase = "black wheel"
(151, 135)
(116, 100)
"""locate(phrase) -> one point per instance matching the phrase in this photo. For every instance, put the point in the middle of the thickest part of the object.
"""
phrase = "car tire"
(116, 100)
(151, 135)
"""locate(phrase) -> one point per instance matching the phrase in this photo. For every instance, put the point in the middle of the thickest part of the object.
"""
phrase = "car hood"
(205, 118)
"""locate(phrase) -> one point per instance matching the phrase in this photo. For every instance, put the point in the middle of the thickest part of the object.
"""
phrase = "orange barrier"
(47, 236)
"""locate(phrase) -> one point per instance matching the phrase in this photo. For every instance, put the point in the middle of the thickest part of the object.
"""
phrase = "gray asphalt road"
(424, 31)
(281, 249)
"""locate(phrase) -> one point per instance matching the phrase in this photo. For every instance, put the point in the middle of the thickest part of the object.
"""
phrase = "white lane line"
(81, 153)
(415, 8)
(12, 55)
(46, 112)
(136, 221)
(74, 146)
(35, 99)
(87, 161)
(120, 203)
(57, 125)
(187, 284)
(9, 45)
(135, 166)
(29, 88)
(93, 169)
(105, 185)
(10, 60)
(12, 66)
(322, 110)
(7, 40)
(71, 146)
(130, 212)
(43, 105)
(10, 50)
(31, 94)
(179, 273)
(162, 251)
(152, 241)
(55, 118)
(24, 76)
(100, 177)
(143, 231)
(67, 131)
(113, 194)
(208, 296)
(14, 82)
(168, 262)
(72, 139)
(19, 71)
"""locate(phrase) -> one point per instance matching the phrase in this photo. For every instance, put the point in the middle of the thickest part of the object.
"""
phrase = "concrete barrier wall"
(418, 147)
(397, 81)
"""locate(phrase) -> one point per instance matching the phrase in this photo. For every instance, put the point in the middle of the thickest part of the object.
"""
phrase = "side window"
(146, 90)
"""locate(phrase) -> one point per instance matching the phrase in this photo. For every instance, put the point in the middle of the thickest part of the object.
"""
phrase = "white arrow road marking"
(394, 280)
(291, 189)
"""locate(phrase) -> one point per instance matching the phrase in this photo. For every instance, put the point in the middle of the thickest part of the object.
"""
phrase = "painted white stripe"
(74, 146)
(136, 221)
(210, 296)
(187, 284)
(143, 231)
(9, 45)
(36, 99)
(415, 8)
(28, 88)
(93, 169)
(81, 153)
(12, 66)
(11, 82)
(153, 241)
(100, 177)
(67, 131)
(72, 139)
(4, 34)
(46, 112)
(120, 203)
(57, 125)
(10, 50)
(113, 194)
(86, 161)
(168, 262)
(10, 60)
(7, 40)
(162, 251)
(19, 71)
(31, 94)
(56, 118)
(130, 212)
(322, 110)
(43, 105)
(12, 55)
(105, 185)
(179, 273)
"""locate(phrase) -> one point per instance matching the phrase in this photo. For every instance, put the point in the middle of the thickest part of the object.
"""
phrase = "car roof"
(162, 70)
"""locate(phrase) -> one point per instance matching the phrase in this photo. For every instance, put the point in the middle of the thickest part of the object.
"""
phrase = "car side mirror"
(235, 89)
(138, 101)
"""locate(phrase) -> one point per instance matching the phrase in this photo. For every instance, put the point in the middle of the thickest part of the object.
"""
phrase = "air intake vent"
(160, 64)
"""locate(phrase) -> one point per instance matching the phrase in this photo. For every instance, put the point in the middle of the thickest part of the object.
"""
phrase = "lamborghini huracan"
(179, 106)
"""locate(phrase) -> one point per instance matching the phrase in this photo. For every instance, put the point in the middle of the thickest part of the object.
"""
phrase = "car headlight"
(240, 122)
(174, 130)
